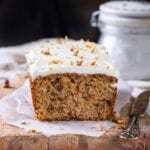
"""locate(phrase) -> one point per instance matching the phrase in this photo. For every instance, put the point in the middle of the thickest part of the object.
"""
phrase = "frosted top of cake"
(68, 56)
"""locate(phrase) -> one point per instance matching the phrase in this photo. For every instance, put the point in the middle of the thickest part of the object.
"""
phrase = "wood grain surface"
(14, 138)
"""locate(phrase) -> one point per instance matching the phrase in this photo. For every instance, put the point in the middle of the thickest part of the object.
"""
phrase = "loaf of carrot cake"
(71, 80)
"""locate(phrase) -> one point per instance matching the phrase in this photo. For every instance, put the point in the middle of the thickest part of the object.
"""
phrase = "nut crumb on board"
(34, 131)
(121, 123)
(120, 126)
(118, 119)
(25, 123)
(6, 84)
(97, 127)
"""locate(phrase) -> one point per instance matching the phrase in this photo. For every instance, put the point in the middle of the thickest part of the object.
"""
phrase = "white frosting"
(68, 56)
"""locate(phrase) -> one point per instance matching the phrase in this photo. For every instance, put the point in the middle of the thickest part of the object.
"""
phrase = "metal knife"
(138, 108)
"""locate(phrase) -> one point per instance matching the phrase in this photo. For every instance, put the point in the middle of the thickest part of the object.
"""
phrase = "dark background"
(26, 20)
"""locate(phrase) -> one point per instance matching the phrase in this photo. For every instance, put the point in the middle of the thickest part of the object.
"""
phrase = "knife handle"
(132, 130)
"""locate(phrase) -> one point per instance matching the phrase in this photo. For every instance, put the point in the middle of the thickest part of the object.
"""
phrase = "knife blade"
(140, 104)
(138, 108)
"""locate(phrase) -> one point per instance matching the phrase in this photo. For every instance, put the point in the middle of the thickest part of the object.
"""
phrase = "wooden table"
(14, 138)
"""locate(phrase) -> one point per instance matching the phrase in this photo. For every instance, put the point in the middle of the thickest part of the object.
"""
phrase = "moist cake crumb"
(73, 97)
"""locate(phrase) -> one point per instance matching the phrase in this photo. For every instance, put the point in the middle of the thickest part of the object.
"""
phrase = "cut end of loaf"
(71, 96)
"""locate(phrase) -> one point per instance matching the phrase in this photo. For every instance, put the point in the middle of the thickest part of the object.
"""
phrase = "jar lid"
(125, 13)
(127, 8)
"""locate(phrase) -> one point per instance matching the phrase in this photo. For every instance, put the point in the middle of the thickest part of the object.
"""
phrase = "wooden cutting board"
(14, 138)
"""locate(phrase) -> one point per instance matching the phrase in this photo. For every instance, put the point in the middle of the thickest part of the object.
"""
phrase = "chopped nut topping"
(97, 127)
(91, 46)
(57, 61)
(96, 58)
(59, 41)
(72, 49)
(79, 63)
(6, 84)
(88, 45)
(81, 57)
(93, 63)
(93, 50)
(71, 63)
(45, 52)
(49, 62)
(76, 53)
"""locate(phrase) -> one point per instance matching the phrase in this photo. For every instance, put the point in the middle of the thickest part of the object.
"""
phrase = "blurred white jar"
(125, 32)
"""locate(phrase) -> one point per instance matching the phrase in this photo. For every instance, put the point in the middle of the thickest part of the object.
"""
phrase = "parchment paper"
(16, 109)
